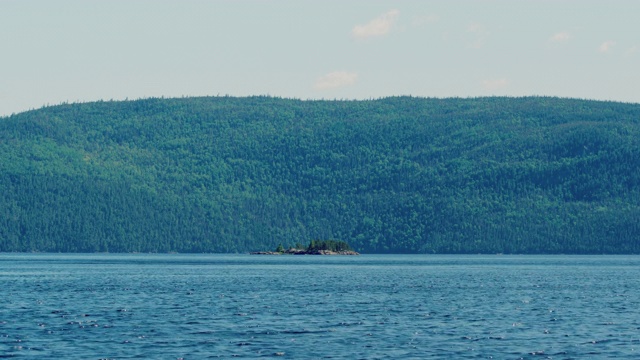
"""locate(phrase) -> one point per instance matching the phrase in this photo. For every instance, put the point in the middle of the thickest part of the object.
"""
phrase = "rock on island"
(315, 247)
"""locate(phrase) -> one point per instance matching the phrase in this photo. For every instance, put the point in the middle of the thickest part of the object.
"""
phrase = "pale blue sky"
(55, 51)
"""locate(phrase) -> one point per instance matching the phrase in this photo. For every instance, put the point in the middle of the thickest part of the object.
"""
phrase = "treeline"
(402, 175)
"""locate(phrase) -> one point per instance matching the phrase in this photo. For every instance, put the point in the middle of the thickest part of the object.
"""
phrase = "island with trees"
(315, 247)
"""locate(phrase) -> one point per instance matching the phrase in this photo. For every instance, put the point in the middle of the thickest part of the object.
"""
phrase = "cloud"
(335, 80)
(495, 84)
(633, 50)
(479, 33)
(376, 27)
(606, 46)
(476, 28)
(560, 37)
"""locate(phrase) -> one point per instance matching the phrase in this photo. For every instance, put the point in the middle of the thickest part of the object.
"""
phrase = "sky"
(56, 51)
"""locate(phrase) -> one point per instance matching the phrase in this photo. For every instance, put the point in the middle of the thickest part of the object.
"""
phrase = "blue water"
(307, 307)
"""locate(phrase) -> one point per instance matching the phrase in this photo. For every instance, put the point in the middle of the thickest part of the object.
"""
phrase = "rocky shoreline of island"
(302, 252)
(315, 247)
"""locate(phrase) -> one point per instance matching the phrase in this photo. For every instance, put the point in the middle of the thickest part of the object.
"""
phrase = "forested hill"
(402, 174)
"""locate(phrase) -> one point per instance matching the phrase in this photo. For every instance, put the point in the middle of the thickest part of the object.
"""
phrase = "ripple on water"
(370, 307)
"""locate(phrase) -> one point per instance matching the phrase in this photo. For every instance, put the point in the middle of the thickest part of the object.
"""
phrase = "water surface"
(92, 306)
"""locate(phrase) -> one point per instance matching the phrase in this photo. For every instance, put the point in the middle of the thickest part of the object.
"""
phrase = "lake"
(108, 306)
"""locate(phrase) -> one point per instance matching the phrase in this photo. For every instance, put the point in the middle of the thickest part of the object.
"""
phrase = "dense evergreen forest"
(393, 175)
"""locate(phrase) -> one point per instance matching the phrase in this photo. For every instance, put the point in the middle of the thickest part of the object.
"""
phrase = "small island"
(315, 247)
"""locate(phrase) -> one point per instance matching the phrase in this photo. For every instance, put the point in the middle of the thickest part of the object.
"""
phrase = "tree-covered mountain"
(402, 174)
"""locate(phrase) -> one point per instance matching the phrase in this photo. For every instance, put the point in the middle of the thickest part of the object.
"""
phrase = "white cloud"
(476, 28)
(376, 27)
(479, 33)
(560, 37)
(606, 46)
(633, 50)
(335, 80)
(495, 84)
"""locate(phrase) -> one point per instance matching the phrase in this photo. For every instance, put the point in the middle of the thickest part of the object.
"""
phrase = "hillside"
(402, 175)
